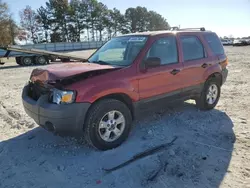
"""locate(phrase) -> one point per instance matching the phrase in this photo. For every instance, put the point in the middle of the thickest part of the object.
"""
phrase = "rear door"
(165, 80)
(195, 61)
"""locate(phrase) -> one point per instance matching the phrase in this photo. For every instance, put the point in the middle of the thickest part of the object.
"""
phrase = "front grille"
(36, 90)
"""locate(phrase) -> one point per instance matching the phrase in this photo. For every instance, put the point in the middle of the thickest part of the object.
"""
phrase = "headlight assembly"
(63, 97)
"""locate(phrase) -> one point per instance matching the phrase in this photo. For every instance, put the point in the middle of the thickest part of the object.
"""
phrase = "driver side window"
(165, 49)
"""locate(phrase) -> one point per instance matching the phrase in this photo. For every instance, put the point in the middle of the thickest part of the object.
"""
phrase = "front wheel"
(108, 124)
(210, 95)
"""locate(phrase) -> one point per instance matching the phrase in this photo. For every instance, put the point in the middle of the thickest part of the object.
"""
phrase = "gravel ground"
(212, 149)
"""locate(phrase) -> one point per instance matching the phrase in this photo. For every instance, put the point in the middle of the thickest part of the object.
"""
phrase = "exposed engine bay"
(79, 77)
(42, 87)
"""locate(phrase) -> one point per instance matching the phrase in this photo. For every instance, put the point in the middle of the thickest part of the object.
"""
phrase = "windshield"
(120, 51)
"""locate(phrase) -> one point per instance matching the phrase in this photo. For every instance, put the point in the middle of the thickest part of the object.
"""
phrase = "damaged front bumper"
(54, 117)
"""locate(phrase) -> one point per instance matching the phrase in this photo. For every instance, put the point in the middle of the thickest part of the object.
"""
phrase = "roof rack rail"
(174, 28)
(183, 29)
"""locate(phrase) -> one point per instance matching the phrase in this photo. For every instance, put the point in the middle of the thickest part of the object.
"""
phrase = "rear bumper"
(53, 117)
(224, 75)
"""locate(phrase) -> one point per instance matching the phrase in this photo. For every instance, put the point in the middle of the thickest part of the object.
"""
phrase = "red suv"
(129, 74)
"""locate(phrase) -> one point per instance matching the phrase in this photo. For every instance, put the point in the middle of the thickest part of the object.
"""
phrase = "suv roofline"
(185, 29)
(160, 32)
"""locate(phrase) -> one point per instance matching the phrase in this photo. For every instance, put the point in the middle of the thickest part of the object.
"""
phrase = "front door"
(164, 80)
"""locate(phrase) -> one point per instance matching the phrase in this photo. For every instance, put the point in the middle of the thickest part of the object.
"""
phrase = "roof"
(149, 33)
(153, 33)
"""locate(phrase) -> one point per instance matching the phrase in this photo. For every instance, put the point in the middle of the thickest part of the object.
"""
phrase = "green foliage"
(68, 21)
(44, 21)
(8, 27)
(140, 19)
(156, 22)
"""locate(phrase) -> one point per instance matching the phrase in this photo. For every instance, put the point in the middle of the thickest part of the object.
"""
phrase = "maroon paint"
(132, 81)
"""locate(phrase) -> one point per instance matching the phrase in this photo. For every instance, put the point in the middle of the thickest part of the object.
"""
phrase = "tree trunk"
(110, 33)
(66, 32)
(100, 34)
(46, 35)
(12, 32)
(88, 33)
(115, 29)
(78, 35)
(96, 35)
(93, 31)
(33, 37)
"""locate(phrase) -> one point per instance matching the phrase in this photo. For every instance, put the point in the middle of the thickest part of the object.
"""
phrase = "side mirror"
(152, 62)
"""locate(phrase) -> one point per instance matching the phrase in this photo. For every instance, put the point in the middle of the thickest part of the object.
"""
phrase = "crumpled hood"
(62, 71)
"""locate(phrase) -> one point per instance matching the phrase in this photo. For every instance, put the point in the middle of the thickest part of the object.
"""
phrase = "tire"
(18, 60)
(27, 60)
(41, 60)
(202, 102)
(94, 134)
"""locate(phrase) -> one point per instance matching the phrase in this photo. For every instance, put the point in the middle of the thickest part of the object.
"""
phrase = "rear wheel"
(41, 60)
(108, 124)
(27, 61)
(210, 95)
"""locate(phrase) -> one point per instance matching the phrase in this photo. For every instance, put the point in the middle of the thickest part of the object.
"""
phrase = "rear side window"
(214, 43)
(166, 49)
(192, 48)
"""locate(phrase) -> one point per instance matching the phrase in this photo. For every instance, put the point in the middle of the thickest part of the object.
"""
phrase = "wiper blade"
(101, 62)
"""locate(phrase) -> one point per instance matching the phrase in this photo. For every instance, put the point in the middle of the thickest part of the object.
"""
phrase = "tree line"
(8, 26)
(70, 21)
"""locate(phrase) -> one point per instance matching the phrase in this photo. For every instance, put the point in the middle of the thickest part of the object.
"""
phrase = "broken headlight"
(63, 97)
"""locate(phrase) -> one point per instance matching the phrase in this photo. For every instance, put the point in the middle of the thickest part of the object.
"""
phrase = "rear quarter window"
(192, 48)
(214, 43)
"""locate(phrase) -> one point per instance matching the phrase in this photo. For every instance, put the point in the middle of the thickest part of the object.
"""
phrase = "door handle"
(175, 71)
(204, 65)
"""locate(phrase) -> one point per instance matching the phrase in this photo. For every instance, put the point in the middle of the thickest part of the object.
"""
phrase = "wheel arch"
(120, 97)
(217, 76)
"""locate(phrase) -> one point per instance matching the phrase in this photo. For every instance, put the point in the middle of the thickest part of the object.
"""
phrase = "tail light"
(224, 63)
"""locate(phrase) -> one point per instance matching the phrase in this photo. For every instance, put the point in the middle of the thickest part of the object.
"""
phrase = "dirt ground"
(212, 149)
